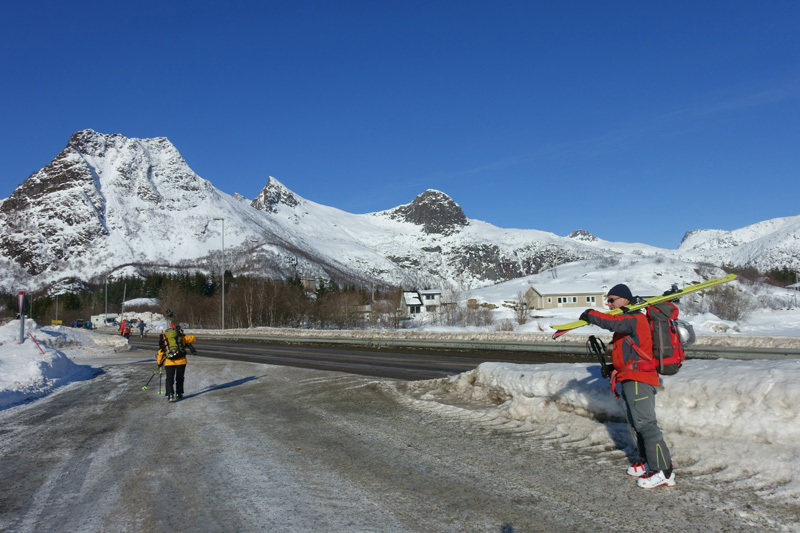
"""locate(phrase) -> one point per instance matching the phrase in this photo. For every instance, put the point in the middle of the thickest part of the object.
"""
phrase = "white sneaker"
(656, 479)
(637, 470)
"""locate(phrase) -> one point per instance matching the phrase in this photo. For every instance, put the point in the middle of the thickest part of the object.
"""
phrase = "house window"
(590, 299)
(429, 296)
(414, 309)
(549, 300)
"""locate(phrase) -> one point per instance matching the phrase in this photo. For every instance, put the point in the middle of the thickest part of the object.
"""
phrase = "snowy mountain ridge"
(107, 201)
(771, 243)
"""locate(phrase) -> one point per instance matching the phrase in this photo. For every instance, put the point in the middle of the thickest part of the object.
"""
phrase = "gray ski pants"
(640, 408)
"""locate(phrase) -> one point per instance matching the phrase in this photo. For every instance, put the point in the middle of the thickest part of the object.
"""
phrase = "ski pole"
(159, 380)
(151, 378)
(597, 347)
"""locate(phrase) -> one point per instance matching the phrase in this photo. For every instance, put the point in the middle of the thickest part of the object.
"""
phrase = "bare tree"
(521, 310)
(728, 303)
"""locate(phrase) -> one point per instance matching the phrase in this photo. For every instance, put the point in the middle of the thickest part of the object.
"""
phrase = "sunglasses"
(612, 299)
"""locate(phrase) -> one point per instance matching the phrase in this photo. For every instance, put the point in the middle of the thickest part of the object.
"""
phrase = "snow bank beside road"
(736, 421)
(26, 373)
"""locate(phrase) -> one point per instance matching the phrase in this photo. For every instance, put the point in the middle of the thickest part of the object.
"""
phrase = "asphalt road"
(407, 365)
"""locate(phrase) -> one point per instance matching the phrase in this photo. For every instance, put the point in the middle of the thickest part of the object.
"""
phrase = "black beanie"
(622, 291)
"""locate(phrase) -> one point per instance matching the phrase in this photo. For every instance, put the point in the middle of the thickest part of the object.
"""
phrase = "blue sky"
(554, 116)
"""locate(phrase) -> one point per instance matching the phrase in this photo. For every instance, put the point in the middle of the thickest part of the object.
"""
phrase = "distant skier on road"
(125, 329)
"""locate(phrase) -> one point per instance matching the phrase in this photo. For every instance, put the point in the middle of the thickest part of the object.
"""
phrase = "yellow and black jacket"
(162, 359)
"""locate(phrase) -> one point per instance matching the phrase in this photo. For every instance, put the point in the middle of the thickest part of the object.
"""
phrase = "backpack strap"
(614, 374)
(647, 362)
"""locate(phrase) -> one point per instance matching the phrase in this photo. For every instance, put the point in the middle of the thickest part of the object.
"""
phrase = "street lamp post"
(223, 270)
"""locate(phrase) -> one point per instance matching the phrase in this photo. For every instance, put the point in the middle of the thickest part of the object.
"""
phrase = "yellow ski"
(563, 328)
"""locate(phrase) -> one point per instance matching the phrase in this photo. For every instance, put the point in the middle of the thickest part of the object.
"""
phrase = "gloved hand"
(585, 315)
(607, 371)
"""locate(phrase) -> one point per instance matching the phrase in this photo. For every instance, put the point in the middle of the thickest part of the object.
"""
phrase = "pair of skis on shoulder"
(564, 328)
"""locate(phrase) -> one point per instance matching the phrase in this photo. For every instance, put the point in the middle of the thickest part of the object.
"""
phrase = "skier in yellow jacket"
(172, 347)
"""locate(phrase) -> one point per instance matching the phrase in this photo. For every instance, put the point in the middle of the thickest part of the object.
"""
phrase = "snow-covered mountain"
(108, 203)
(767, 244)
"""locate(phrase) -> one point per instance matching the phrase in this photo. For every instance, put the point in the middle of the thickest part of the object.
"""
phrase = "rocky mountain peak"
(100, 186)
(65, 172)
(272, 195)
(96, 144)
(582, 235)
(434, 211)
(689, 235)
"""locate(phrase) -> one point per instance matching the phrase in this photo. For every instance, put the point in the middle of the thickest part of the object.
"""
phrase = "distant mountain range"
(109, 204)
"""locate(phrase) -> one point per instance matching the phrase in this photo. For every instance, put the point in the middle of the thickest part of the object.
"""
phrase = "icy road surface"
(265, 448)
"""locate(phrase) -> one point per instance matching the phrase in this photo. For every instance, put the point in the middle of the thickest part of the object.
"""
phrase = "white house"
(431, 299)
(420, 303)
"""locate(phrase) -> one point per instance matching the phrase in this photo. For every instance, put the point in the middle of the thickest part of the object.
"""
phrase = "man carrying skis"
(654, 467)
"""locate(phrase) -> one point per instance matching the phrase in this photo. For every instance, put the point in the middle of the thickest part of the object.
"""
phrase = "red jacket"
(623, 356)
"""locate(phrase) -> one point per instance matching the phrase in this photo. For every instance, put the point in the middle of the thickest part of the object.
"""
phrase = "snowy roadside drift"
(725, 420)
(26, 373)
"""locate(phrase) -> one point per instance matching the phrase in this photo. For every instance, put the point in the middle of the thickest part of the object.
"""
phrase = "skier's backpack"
(174, 343)
(670, 337)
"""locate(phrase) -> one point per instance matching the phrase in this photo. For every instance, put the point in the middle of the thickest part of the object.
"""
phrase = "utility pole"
(223, 270)
(796, 286)
(21, 298)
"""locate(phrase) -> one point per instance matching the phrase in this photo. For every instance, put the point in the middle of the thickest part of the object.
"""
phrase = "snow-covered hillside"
(768, 244)
(108, 203)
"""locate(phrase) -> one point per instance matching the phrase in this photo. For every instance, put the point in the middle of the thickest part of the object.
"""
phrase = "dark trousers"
(175, 375)
(640, 406)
